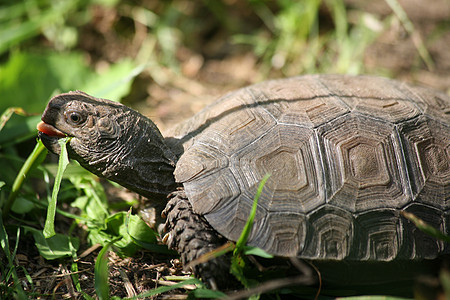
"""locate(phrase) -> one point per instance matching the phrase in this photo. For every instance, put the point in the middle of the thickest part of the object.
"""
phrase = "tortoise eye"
(75, 117)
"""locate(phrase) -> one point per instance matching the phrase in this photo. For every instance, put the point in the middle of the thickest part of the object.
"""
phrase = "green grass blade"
(49, 229)
(257, 252)
(5, 246)
(164, 289)
(43, 205)
(222, 250)
(101, 274)
(38, 154)
(237, 261)
(248, 226)
(423, 226)
(16, 32)
(74, 266)
(409, 27)
(6, 115)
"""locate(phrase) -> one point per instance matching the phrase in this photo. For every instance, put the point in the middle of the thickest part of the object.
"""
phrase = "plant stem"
(18, 182)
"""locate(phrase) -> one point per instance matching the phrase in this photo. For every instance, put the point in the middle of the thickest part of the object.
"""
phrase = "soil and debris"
(207, 74)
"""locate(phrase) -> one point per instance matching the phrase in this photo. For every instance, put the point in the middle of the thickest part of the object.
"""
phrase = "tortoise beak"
(48, 133)
(51, 143)
(50, 130)
(49, 136)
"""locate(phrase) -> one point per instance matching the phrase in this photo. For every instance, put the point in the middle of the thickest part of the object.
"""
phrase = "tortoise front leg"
(190, 235)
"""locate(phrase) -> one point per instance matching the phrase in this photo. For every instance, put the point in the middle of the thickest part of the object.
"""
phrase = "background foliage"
(168, 59)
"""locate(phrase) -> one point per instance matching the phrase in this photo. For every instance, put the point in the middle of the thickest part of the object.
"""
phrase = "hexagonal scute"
(199, 161)
(418, 244)
(237, 129)
(346, 155)
(427, 153)
(212, 191)
(282, 233)
(363, 159)
(378, 235)
(230, 215)
(289, 153)
(331, 233)
(226, 124)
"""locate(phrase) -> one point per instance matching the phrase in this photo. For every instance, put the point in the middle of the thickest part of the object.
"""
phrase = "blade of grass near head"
(49, 229)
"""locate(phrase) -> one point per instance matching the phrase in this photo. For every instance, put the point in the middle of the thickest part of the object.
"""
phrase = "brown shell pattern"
(346, 154)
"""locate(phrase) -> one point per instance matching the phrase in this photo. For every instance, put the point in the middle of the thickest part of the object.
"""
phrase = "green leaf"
(256, 251)
(18, 129)
(116, 224)
(19, 29)
(59, 245)
(127, 232)
(140, 233)
(48, 73)
(6, 115)
(43, 74)
(49, 229)
(109, 3)
(101, 274)
(115, 82)
(93, 204)
(138, 229)
(22, 205)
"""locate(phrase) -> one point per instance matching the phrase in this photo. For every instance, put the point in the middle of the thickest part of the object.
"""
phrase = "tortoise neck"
(140, 160)
(148, 167)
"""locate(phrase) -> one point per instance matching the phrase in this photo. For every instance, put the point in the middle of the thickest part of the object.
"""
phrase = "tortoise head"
(110, 140)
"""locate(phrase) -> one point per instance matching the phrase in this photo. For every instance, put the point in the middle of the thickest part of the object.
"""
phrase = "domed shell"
(346, 155)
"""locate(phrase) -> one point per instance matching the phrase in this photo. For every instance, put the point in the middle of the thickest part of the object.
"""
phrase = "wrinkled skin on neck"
(112, 141)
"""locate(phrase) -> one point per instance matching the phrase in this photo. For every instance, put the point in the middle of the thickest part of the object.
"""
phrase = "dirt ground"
(205, 79)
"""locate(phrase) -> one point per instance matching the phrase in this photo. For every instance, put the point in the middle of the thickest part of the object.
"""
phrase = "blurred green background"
(101, 46)
(169, 59)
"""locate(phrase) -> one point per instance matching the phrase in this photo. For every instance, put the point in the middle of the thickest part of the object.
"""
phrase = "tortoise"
(346, 154)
